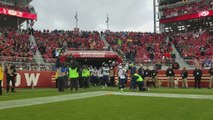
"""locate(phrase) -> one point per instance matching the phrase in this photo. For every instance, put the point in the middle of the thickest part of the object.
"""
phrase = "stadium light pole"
(156, 16)
(107, 21)
(76, 19)
(154, 9)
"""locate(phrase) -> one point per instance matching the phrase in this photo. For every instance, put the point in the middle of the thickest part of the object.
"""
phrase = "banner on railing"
(27, 79)
(92, 54)
(18, 13)
(201, 14)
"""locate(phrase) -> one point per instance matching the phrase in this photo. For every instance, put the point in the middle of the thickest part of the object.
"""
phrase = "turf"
(115, 108)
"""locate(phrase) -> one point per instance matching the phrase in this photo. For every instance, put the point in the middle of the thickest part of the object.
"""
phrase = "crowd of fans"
(191, 7)
(15, 43)
(52, 43)
(138, 46)
(193, 45)
(135, 46)
(14, 6)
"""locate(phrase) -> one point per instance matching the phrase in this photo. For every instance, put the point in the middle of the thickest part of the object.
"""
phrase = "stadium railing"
(24, 63)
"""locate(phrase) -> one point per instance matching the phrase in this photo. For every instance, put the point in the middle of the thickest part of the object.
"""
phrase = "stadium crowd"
(194, 45)
(15, 43)
(140, 47)
(14, 6)
(51, 42)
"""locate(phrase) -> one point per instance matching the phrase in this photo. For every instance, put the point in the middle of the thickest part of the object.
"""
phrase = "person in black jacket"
(170, 77)
(154, 76)
(10, 72)
(197, 73)
(211, 76)
(184, 75)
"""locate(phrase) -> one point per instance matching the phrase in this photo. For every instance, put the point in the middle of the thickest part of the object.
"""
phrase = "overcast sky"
(124, 15)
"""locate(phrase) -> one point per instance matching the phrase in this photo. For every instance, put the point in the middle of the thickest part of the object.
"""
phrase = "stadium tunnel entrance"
(94, 58)
(97, 62)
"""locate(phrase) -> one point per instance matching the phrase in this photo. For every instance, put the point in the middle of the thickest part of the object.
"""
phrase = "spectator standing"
(202, 51)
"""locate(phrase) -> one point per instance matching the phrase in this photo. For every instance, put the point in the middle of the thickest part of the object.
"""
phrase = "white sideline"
(188, 96)
(43, 100)
(51, 99)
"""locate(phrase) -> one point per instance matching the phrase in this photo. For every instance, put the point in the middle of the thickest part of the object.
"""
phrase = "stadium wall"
(28, 79)
(46, 79)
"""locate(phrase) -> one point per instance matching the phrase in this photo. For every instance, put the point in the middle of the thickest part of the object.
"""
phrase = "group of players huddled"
(74, 75)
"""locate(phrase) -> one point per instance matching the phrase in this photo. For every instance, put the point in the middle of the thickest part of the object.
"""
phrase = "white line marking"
(51, 99)
(43, 100)
(189, 96)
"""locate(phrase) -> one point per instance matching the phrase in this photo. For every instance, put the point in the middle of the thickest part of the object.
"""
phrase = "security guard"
(147, 77)
(139, 81)
(85, 76)
(73, 76)
(61, 73)
(1, 78)
(197, 73)
(154, 73)
(184, 75)
(170, 74)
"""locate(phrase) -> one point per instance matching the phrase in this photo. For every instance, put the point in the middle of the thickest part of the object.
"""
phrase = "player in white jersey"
(105, 75)
(96, 82)
(100, 75)
(122, 68)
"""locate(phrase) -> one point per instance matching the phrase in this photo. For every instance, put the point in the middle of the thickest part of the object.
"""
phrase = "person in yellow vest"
(139, 81)
(56, 78)
(1, 78)
(85, 76)
(74, 76)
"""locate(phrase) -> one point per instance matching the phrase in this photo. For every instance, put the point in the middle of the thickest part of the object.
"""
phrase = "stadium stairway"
(105, 42)
(107, 45)
(38, 57)
(180, 59)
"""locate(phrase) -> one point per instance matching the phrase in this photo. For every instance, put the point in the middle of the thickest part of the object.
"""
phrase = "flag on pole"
(76, 16)
(107, 21)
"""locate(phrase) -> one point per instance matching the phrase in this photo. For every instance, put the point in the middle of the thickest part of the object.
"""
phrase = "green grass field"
(111, 107)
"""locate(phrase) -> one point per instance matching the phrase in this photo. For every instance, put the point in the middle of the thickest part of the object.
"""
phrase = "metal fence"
(24, 63)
